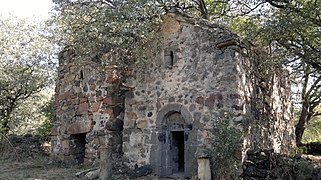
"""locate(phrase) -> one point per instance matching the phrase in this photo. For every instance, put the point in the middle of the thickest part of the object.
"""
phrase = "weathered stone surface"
(54, 131)
(200, 100)
(78, 127)
(131, 115)
(95, 107)
(204, 169)
(65, 144)
(141, 171)
(83, 108)
(142, 124)
(170, 26)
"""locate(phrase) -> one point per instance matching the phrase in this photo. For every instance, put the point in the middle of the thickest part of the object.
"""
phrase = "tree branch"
(282, 5)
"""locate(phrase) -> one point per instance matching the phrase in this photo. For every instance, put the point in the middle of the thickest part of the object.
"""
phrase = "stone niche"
(200, 74)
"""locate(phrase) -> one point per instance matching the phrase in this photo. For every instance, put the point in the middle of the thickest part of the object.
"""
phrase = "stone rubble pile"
(265, 164)
(22, 146)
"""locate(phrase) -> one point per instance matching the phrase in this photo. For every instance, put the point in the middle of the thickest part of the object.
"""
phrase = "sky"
(37, 9)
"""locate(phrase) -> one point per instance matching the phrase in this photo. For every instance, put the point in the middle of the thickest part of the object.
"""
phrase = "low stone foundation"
(265, 164)
(26, 146)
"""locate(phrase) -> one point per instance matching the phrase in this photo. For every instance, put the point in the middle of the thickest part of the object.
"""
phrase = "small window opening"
(81, 74)
(178, 151)
(77, 147)
(169, 58)
(172, 58)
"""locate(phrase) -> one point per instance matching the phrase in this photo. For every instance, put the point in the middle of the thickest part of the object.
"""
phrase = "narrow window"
(169, 58)
(81, 75)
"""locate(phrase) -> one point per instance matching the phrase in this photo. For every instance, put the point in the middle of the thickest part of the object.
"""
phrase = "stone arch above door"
(175, 154)
(168, 110)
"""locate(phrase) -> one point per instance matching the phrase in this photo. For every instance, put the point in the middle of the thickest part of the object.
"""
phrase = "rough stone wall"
(267, 109)
(202, 72)
(88, 113)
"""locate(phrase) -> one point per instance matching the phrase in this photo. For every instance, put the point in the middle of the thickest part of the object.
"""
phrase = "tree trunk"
(4, 123)
(5, 126)
(6, 113)
(305, 116)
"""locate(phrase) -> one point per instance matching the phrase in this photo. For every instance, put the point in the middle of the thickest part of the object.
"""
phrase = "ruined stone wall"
(88, 113)
(266, 96)
(203, 74)
(265, 164)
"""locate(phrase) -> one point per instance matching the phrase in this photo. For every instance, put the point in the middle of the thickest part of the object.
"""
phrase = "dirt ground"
(43, 167)
(40, 168)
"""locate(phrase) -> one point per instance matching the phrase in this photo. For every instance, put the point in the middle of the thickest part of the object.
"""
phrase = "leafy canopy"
(26, 64)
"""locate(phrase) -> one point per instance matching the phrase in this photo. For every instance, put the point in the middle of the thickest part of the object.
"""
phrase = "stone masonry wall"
(200, 71)
(88, 113)
(265, 95)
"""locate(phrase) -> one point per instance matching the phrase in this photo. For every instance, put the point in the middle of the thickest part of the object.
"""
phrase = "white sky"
(26, 8)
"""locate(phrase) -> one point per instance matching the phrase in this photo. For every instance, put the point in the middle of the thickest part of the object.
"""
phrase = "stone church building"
(199, 79)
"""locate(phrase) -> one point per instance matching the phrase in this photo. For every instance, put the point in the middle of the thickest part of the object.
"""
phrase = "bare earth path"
(44, 168)
(41, 168)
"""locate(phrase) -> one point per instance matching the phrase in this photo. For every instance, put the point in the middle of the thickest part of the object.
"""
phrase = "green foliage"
(26, 67)
(217, 9)
(48, 111)
(302, 150)
(312, 132)
(303, 169)
(226, 144)
(27, 116)
(227, 139)
(94, 27)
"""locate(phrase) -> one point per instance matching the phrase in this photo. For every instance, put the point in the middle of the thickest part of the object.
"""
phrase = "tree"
(26, 65)
(92, 28)
(312, 132)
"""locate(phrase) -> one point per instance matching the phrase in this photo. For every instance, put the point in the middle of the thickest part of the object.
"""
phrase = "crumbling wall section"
(266, 164)
(88, 113)
(265, 92)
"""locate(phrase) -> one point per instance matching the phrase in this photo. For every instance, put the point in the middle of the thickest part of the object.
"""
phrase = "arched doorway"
(174, 145)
